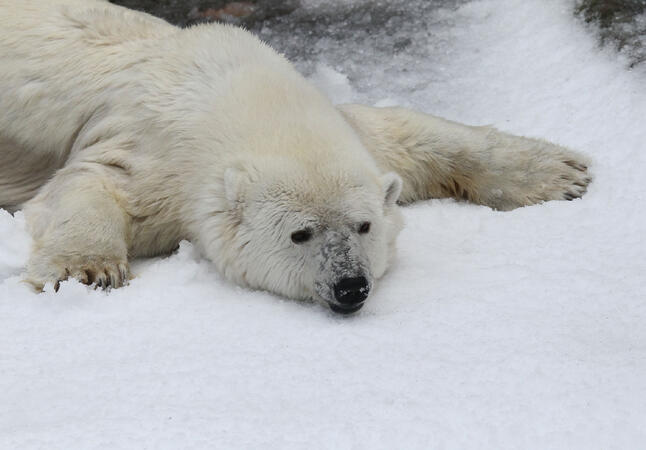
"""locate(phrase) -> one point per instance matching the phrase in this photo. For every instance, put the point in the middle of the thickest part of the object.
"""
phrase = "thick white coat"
(121, 135)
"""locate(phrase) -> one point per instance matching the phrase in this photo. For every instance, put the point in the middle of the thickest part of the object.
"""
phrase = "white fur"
(124, 135)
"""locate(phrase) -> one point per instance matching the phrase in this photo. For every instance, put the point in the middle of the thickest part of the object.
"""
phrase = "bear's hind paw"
(573, 182)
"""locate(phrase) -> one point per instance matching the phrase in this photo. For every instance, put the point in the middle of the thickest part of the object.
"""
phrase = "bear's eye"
(364, 227)
(300, 236)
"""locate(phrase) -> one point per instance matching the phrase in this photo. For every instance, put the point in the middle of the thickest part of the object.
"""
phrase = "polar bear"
(121, 135)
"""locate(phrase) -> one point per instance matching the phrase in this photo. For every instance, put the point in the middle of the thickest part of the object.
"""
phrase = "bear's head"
(321, 231)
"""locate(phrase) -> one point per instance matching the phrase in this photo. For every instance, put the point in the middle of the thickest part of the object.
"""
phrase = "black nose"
(350, 291)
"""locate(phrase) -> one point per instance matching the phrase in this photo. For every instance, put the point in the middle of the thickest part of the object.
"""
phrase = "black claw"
(89, 276)
(575, 165)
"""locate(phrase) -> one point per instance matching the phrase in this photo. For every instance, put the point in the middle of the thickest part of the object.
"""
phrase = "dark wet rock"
(228, 13)
(342, 34)
(189, 12)
(621, 23)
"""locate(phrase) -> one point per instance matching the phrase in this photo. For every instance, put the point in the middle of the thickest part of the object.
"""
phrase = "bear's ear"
(391, 186)
(234, 185)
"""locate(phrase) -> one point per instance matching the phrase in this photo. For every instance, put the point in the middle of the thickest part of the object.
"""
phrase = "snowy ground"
(524, 329)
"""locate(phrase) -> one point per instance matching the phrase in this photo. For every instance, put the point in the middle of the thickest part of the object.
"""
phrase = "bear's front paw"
(100, 271)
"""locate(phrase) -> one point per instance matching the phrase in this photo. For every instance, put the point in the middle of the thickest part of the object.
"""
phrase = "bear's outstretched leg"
(439, 158)
(79, 229)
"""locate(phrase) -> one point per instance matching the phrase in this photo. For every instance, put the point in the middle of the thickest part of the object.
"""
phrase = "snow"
(524, 329)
